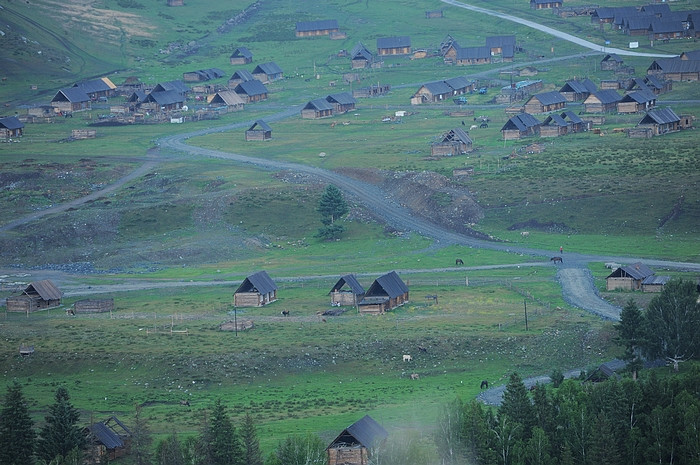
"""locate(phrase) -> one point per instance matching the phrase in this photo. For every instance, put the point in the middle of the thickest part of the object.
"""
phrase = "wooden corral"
(257, 290)
(356, 444)
(466, 171)
(386, 293)
(79, 134)
(435, 14)
(371, 91)
(238, 325)
(347, 291)
(39, 295)
(93, 306)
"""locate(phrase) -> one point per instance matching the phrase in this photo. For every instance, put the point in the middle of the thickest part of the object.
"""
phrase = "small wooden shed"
(10, 127)
(70, 99)
(519, 126)
(394, 45)
(611, 62)
(654, 283)
(356, 444)
(317, 108)
(251, 91)
(361, 57)
(257, 290)
(260, 130)
(637, 101)
(454, 142)
(545, 102)
(39, 295)
(228, 98)
(342, 102)
(386, 293)
(660, 121)
(575, 90)
(554, 126)
(322, 27)
(602, 101)
(347, 291)
(268, 72)
(241, 56)
(109, 439)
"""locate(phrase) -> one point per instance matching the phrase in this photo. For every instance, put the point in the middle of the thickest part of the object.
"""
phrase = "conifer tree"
(61, 433)
(169, 451)
(251, 443)
(141, 439)
(517, 406)
(220, 439)
(17, 436)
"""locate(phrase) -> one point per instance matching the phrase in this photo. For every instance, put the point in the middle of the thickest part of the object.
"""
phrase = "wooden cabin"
(342, 102)
(228, 98)
(519, 126)
(394, 45)
(554, 126)
(654, 283)
(575, 90)
(574, 121)
(628, 278)
(203, 75)
(316, 28)
(251, 91)
(241, 75)
(502, 45)
(676, 69)
(611, 62)
(637, 101)
(374, 90)
(430, 92)
(241, 56)
(39, 295)
(93, 306)
(361, 57)
(71, 99)
(268, 72)
(386, 293)
(544, 4)
(465, 56)
(545, 102)
(257, 290)
(660, 121)
(357, 443)
(107, 440)
(453, 142)
(176, 85)
(10, 126)
(317, 108)
(460, 85)
(602, 101)
(167, 101)
(96, 88)
(347, 291)
(260, 130)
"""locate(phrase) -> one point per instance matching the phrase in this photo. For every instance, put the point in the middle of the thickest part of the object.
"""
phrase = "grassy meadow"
(208, 223)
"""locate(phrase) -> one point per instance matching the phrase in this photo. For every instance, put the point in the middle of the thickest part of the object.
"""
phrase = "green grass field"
(201, 220)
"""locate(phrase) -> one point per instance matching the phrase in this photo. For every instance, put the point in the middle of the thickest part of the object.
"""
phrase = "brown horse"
(484, 384)
(556, 259)
(459, 261)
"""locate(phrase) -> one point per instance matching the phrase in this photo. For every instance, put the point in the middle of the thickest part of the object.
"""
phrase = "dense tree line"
(613, 422)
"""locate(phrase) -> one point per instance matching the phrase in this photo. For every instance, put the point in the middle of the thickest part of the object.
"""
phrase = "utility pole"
(525, 303)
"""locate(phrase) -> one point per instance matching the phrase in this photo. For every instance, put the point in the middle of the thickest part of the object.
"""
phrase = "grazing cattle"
(285, 312)
(484, 384)
(422, 349)
(483, 125)
(407, 358)
(556, 259)
(459, 261)
(185, 402)
(525, 233)
(415, 376)
(473, 126)
(612, 265)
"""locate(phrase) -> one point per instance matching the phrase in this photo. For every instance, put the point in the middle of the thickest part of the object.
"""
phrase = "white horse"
(407, 358)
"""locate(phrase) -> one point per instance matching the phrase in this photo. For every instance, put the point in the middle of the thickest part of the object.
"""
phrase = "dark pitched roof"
(46, 289)
(663, 26)
(365, 432)
(227, 97)
(459, 82)
(550, 98)
(438, 87)
(508, 51)
(137, 96)
(351, 282)
(389, 284)
(676, 65)
(580, 87)
(268, 68)
(635, 271)
(260, 282)
(360, 51)
(71, 94)
(473, 53)
(11, 122)
(604, 12)
(573, 117)
(653, 279)
(607, 96)
(500, 41)
(243, 75)
(342, 98)
(321, 25)
(209, 73)
(521, 122)
(393, 42)
(660, 116)
(691, 54)
(318, 104)
(242, 52)
(458, 134)
(253, 87)
(639, 96)
(260, 124)
(96, 85)
(555, 119)
(167, 97)
(652, 81)
(655, 9)
(612, 57)
(177, 85)
(105, 435)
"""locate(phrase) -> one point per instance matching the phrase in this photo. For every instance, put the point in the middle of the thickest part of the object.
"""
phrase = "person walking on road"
(561, 249)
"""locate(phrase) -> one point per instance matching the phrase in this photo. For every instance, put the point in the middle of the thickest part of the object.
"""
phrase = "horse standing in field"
(285, 312)
(484, 384)
(556, 259)
(459, 261)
